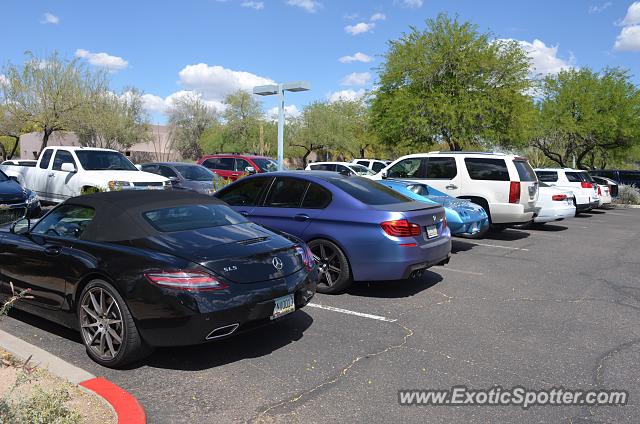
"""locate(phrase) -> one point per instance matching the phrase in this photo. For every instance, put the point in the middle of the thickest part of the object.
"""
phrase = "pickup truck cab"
(64, 171)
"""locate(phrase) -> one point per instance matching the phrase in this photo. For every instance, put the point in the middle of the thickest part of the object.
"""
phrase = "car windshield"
(102, 160)
(195, 172)
(192, 217)
(369, 192)
(361, 170)
(267, 165)
(3, 176)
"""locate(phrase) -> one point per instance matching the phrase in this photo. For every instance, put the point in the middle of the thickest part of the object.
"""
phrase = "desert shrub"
(628, 195)
(45, 407)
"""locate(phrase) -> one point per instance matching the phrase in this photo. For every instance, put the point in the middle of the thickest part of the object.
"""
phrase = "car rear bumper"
(555, 214)
(183, 318)
(511, 213)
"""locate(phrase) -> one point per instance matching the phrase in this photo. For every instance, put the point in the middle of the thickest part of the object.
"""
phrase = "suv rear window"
(487, 169)
(192, 217)
(573, 177)
(368, 191)
(547, 176)
(525, 172)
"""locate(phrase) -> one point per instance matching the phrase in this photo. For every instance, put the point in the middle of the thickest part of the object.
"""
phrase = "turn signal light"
(559, 197)
(514, 192)
(401, 228)
(185, 280)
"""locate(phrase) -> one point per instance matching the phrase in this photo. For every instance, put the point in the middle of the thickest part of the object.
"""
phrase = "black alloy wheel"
(335, 274)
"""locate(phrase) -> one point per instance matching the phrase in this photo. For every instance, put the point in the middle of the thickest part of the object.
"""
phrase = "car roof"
(235, 155)
(460, 153)
(118, 214)
(333, 163)
(307, 174)
(171, 164)
(79, 148)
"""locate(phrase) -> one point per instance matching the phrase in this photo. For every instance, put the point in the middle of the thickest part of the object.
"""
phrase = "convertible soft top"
(118, 214)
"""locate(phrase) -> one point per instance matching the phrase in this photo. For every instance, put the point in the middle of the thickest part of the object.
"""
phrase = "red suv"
(232, 166)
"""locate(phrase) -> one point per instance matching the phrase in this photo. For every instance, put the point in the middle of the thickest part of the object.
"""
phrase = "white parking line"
(445, 268)
(348, 312)
(498, 246)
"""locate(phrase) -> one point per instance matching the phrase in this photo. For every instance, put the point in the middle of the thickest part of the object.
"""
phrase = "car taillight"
(514, 192)
(444, 223)
(599, 191)
(401, 228)
(185, 280)
(307, 256)
(559, 197)
(585, 184)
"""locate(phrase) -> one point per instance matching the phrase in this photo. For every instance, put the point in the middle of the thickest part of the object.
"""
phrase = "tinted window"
(573, 177)
(363, 162)
(103, 160)
(547, 176)
(487, 169)
(377, 167)
(286, 193)
(195, 173)
(3, 176)
(409, 168)
(368, 191)
(323, 167)
(244, 192)
(344, 170)
(167, 172)
(192, 217)
(267, 165)
(361, 170)
(46, 158)
(150, 168)
(525, 171)
(62, 156)
(444, 168)
(67, 221)
(241, 165)
(316, 198)
(224, 164)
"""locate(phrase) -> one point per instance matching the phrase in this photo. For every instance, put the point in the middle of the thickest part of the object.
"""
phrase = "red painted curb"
(127, 408)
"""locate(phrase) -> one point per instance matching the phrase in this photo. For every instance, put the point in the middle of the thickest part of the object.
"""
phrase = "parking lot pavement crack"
(288, 405)
(598, 372)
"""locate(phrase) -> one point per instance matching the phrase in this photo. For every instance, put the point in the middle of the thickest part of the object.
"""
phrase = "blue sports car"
(463, 216)
(356, 228)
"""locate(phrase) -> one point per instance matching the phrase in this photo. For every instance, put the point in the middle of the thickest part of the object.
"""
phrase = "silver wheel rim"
(328, 263)
(101, 323)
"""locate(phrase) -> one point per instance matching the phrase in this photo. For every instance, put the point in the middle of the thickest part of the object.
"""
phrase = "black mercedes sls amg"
(133, 270)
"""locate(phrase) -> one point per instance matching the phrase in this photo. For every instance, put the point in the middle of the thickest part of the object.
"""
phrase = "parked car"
(232, 166)
(555, 204)
(16, 201)
(613, 186)
(186, 176)
(373, 164)
(65, 172)
(357, 229)
(620, 176)
(579, 182)
(345, 168)
(18, 162)
(136, 270)
(504, 185)
(463, 216)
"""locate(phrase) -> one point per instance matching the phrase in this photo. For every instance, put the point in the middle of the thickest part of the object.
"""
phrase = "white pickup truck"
(63, 172)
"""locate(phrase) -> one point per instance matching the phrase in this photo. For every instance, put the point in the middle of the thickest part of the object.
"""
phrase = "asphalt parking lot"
(557, 305)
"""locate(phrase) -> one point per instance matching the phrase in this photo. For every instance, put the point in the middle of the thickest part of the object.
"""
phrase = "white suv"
(373, 164)
(504, 185)
(579, 182)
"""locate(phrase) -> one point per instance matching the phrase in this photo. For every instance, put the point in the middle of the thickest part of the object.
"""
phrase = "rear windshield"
(369, 192)
(547, 176)
(487, 169)
(576, 177)
(192, 217)
(525, 171)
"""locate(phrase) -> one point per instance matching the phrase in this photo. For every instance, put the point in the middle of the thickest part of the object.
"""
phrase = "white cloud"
(158, 105)
(50, 18)
(378, 17)
(112, 63)
(360, 28)
(544, 59)
(310, 6)
(257, 5)
(628, 39)
(216, 82)
(633, 15)
(290, 111)
(356, 78)
(348, 95)
(598, 8)
(3, 80)
(412, 3)
(356, 57)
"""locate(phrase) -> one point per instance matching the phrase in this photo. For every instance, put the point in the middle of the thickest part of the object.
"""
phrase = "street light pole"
(279, 89)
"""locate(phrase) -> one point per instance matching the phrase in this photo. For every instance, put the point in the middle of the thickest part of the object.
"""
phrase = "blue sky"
(213, 47)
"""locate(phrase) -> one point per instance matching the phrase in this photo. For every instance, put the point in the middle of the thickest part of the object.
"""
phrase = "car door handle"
(52, 250)
(301, 217)
(244, 213)
(50, 175)
(451, 187)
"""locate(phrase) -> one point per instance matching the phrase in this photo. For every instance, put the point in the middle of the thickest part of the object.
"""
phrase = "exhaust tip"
(222, 331)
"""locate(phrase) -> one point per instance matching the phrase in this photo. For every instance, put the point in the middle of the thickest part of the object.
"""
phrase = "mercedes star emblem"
(277, 263)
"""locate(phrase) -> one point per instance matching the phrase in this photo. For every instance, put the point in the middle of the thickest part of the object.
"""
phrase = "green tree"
(189, 118)
(588, 116)
(49, 93)
(10, 131)
(454, 85)
(243, 116)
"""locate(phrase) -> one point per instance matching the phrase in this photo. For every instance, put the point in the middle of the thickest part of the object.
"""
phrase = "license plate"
(432, 231)
(283, 306)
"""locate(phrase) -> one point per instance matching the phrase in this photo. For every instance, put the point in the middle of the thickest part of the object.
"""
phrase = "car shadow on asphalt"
(509, 234)
(45, 325)
(395, 289)
(548, 227)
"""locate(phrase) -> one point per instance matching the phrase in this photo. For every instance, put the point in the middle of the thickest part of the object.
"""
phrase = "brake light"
(401, 228)
(444, 223)
(599, 191)
(585, 184)
(559, 197)
(185, 280)
(514, 192)
(307, 256)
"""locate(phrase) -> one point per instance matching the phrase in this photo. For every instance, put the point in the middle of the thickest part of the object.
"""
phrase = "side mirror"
(21, 226)
(174, 180)
(384, 175)
(250, 170)
(13, 178)
(68, 167)
(139, 167)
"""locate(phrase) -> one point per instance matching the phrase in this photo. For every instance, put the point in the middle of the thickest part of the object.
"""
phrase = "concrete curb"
(127, 408)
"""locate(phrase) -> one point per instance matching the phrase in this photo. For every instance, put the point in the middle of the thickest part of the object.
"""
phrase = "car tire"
(335, 272)
(103, 318)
